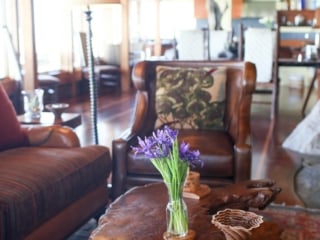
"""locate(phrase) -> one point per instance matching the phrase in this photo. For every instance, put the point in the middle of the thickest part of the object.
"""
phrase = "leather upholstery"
(11, 133)
(39, 182)
(52, 136)
(226, 153)
(13, 89)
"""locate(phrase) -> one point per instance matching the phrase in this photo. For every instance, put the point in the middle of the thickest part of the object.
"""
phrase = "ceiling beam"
(89, 2)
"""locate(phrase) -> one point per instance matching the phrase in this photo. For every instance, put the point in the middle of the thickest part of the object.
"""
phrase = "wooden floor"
(270, 160)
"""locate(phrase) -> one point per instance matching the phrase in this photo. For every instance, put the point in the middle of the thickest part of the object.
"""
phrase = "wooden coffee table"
(47, 118)
(140, 212)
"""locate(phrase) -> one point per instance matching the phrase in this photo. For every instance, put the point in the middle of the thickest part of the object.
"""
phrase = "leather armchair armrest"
(242, 166)
(121, 145)
(242, 129)
(52, 136)
(119, 166)
(239, 112)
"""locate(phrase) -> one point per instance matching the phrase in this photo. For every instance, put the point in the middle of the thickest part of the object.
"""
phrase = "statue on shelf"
(215, 14)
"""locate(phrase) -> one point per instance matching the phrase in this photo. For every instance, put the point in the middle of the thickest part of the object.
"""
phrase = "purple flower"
(150, 148)
(171, 133)
(160, 144)
(192, 157)
(165, 136)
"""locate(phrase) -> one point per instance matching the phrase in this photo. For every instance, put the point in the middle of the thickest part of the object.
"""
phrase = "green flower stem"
(177, 215)
(173, 172)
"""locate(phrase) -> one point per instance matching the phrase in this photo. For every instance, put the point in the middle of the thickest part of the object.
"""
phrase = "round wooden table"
(47, 119)
(140, 213)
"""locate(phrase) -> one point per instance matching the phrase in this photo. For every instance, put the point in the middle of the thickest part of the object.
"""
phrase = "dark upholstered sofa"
(49, 184)
(222, 134)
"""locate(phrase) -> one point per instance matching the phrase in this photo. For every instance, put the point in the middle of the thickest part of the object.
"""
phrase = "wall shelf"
(298, 29)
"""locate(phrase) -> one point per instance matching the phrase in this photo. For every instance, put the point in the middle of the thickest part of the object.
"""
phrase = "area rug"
(294, 222)
(83, 233)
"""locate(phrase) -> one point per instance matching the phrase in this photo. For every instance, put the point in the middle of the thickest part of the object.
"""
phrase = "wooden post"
(29, 48)
(124, 64)
(157, 44)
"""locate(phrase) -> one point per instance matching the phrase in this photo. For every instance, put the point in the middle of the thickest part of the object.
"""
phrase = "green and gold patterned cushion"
(190, 98)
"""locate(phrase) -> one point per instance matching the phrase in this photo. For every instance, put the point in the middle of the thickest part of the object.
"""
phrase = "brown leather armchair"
(226, 152)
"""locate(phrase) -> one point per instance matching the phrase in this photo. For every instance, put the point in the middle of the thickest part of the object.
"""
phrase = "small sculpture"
(215, 14)
(236, 224)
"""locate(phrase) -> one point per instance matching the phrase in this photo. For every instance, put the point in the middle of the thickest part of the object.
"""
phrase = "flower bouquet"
(172, 161)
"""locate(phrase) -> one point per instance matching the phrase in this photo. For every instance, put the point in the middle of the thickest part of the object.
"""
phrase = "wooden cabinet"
(295, 30)
(295, 34)
(288, 18)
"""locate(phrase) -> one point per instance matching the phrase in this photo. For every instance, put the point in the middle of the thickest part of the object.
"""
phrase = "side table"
(47, 118)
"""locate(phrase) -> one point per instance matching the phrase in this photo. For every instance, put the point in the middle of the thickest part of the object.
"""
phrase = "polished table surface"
(47, 118)
(140, 212)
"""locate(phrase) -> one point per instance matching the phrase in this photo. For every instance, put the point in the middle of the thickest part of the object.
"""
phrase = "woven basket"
(236, 224)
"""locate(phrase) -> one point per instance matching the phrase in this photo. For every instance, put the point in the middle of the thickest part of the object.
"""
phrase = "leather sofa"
(49, 184)
(226, 152)
(13, 90)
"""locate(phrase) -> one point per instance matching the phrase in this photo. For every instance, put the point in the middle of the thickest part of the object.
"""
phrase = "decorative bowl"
(57, 109)
(236, 224)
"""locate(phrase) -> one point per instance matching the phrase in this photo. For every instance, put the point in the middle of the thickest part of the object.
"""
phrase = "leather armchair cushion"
(38, 182)
(190, 97)
(11, 134)
(217, 154)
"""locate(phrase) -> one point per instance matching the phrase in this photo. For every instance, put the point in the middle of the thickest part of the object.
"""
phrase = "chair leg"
(275, 99)
(305, 103)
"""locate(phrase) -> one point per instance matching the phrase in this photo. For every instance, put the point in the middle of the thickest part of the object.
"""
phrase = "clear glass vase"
(33, 102)
(176, 213)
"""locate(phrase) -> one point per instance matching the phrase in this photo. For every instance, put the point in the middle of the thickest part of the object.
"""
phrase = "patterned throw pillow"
(190, 98)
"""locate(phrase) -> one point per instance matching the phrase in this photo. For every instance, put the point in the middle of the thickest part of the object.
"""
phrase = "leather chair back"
(226, 153)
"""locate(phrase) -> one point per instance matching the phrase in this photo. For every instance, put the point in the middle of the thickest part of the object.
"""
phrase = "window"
(143, 24)
(106, 25)
(143, 18)
(9, 66)
(58, 27)
(49, 18)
